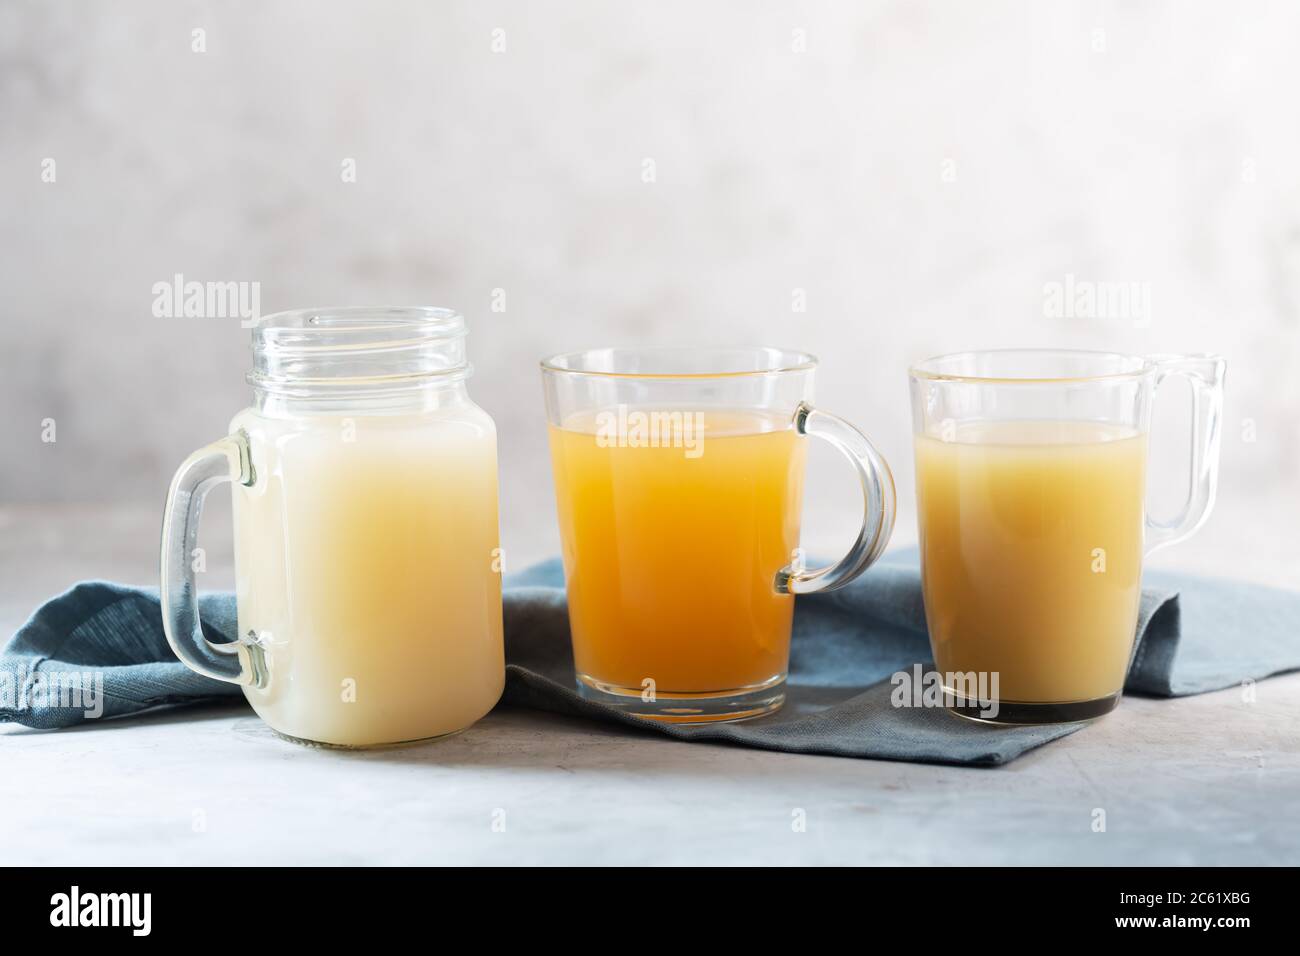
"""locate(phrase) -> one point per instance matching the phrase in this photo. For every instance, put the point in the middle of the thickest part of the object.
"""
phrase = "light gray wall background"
(919, 169)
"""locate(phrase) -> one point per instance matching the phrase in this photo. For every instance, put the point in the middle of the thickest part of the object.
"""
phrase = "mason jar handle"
(224, 460)
(877, 505)
(1205, 373)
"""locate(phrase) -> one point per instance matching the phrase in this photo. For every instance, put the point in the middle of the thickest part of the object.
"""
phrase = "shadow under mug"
(679, 481)
(1031, 488)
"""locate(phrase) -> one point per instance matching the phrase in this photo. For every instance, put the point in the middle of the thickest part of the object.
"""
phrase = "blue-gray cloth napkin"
(1195, 635)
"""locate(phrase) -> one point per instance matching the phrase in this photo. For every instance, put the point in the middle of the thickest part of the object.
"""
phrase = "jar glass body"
(367, 560)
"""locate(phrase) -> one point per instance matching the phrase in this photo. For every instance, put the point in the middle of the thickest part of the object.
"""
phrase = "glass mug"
(679, 479)
(1031, 488)
(366, 535)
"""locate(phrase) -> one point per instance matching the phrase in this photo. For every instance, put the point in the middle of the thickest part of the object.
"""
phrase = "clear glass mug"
(678, 480)
(367, 557)
(1031, 491)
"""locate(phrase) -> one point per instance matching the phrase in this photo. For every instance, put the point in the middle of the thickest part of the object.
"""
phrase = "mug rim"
(927, 368)
(782, 361)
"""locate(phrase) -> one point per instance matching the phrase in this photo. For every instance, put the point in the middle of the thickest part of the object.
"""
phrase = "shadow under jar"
(366, 532)
(1031, 481)
(679, 482)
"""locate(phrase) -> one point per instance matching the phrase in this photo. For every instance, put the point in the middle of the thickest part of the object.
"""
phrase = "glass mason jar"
(366, 533)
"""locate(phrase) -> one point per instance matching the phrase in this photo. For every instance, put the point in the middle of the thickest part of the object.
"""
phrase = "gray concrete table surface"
(1213, 779)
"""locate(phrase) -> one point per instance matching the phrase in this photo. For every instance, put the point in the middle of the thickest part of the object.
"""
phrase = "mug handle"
(877, 501)
(1205, 373)
(225, 460)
